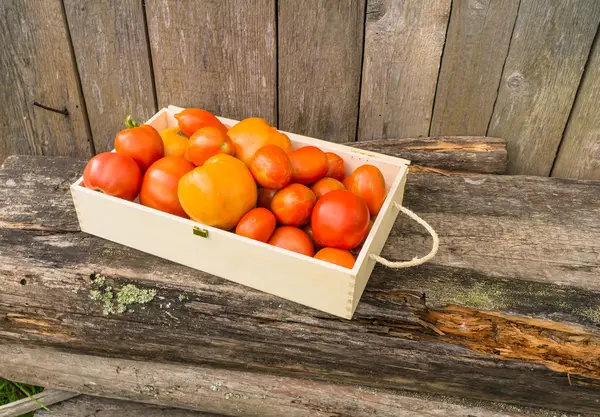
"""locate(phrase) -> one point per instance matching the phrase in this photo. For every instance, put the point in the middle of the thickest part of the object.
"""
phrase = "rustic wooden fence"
(527, 71)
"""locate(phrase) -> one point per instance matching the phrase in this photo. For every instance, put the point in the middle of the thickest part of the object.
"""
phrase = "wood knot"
(515, 81)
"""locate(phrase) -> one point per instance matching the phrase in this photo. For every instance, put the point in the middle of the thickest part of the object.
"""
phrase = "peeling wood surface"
(510, 311)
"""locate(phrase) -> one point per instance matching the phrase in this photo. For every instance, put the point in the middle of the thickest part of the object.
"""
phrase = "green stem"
(129, 122)
(30, 396)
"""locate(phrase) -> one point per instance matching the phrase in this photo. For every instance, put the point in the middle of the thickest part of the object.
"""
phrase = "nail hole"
(23, 281)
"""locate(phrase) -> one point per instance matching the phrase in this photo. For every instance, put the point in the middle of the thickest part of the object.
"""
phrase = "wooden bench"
(508, 311)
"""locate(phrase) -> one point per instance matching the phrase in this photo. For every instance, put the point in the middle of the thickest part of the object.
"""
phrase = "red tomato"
(325, 185)
(257, 224)
(340, 220)
(190, 120)
(159, 187)
(292, 238)
(271, 167)
(309, 163)
(368, 183)
(292, 205)
(308, 230)
(335, 166)
(265, 196)
(142, 143)
(336, 256)
(114, 174)
(206, 142)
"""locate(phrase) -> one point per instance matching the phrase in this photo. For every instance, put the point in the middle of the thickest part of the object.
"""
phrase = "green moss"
(182, 297)
(592, 313)
(130, 294)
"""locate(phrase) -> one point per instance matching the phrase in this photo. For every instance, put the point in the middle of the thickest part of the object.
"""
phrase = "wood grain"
(217, 55)
(579, 154)
(26, 405)
(110, 45)
(403, 48)
(511, 296)
(548, 51)
(36, 65)
(320, 56)
(470, 72)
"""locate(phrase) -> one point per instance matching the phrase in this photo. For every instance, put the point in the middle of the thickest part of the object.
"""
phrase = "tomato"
(292, 238)
(257, 224)
(336, 256)
(206, 142)
(174, 141)
(271, 167)
(252, 133)
(325, 185)
(114, 174)
(142, 143)
(368, 183)
(309, 163)
(292, 205)
(335, 166)
(159, 186)
(308, 230)
(190, 120)
(340, 220)
(265, 196)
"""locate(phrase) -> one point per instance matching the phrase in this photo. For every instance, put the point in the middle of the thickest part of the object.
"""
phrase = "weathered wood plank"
(513, 290)
(320, 56)
(109, 39)
(403, 48)
(548, 51)
(26, 405)
(219, 55)
(36, 66)
(579, 154)
(470, 73)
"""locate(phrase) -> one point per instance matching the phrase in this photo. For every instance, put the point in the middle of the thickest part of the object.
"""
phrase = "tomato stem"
(129, 122)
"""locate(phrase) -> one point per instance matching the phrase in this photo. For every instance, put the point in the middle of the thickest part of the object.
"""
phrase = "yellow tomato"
(251, 134)
(174, 141)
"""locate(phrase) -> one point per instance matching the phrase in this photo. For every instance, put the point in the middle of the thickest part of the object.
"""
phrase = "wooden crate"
(292, 276)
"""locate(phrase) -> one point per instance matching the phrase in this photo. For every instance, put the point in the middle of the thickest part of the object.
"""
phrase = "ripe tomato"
(257, 224)
(159, 186)
(174, 141)
(190, 120)
(309, 163)
(265, 196)
(340, 220)
(206, 142)
(142, 143)
(271, 167)
(325, 185)
(113, 174)
(308, 230)
(251, 134)
(292, 205)
(368, 183)
(335, 166)
(336, 256)
(292, 238)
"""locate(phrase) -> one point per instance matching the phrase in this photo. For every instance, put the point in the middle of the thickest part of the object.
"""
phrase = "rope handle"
(415, 261)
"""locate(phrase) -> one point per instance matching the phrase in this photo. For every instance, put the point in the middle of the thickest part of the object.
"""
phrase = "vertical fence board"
(476, 46)
(36, 65)
(109, 40)
(579, 155)
(403, 46)
(219, 55)
(548, 51)
(320, 57)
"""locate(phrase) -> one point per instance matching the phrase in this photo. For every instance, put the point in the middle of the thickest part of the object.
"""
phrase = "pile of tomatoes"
(245, 179)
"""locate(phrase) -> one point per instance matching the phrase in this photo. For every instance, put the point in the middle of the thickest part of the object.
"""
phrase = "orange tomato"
(159, 186)
(292, 238)
(206, 142)
(142, 143)
(251, 134)
(257, 224)
(368, 183)
(113, 174)
(340, 220)
(174, 141)
(265, 196)
(325, 185)
(190, 120)
(271, 167)
(308, 230)
(309, 163)
(336, 256)
(219, 192)
(335, 166)
(293, 204)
